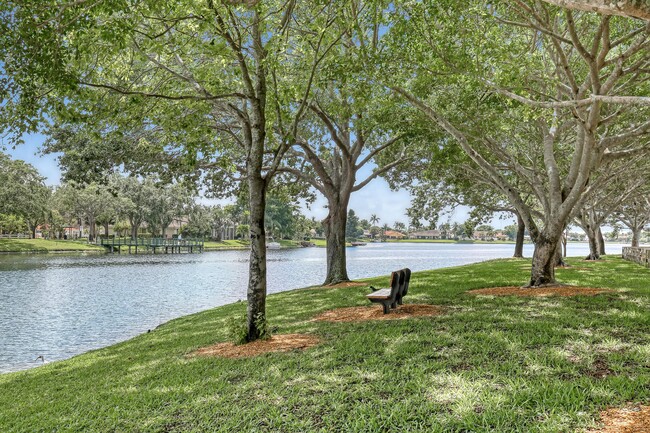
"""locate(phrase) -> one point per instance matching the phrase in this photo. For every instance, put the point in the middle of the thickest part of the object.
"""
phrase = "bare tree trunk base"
(335, 281)
(546, 286)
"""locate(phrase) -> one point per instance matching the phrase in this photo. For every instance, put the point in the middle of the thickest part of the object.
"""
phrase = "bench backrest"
(407, 279)
(396, 284)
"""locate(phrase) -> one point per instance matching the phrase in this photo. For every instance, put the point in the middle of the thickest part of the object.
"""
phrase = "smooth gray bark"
(543, 265)
(256, 293)
(592, 239)
(600, 242)
(519, 241)
(559, 257)
(335, 234)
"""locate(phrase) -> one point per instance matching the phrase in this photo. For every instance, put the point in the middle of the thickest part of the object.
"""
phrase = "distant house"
(175, 227)
(624, 237)
(484, 235)
(392, 234)
(225, 233)
(426, 234)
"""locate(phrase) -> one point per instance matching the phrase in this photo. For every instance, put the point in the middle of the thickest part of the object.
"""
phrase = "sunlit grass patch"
(45, 246)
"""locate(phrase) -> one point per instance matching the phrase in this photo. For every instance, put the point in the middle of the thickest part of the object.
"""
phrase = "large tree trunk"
(593, 245)
(256, 137)
(600, 241)
(636, 234)
(256, 294)
(559, 257)
(91, 230)
(106, 229)
(519, 241)
(335, 234)
(544, 258)
(134, 230)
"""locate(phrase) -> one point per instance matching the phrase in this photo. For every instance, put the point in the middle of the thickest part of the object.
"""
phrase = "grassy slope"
(491, 364)
(44, 246)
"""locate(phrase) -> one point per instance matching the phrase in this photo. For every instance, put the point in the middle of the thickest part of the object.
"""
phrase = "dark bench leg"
(385, 305)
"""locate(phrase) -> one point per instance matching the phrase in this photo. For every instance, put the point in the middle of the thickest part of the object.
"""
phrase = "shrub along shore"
(515, 364)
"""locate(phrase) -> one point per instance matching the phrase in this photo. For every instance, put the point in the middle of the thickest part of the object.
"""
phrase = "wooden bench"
(388, 297)
(405, 286)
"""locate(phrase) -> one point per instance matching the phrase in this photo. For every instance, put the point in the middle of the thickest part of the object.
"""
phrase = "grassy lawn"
(44, 246)
(491, 364)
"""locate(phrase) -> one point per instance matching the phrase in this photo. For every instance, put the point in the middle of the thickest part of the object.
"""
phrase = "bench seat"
(379, 294)
(391, 298)
(388, 297)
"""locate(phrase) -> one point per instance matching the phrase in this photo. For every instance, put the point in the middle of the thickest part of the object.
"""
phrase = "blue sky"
(375, 198)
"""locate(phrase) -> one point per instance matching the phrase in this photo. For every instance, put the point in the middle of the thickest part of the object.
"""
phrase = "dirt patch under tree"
(541, 291)
(633, 419)
(357, 314)
(277, 343)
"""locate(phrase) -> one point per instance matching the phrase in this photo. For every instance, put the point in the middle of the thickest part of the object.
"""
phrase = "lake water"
(59, 306)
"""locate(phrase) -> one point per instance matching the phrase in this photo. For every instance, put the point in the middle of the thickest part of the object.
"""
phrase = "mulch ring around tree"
(277, 343)
(358, 314)
(539, 291)
(632, 419)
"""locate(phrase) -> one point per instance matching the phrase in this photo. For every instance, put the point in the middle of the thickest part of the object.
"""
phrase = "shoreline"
(319, 243)
(152, 379)
(239, 302)
(93, 251)
(243, 301)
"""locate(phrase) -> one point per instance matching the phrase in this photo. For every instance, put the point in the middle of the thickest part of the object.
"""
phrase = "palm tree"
(383, 231)
(374, 219)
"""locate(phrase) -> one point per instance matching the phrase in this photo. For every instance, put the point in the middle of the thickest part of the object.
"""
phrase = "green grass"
(449, 241)
(226, 245)
(45, 246)
(491, 364)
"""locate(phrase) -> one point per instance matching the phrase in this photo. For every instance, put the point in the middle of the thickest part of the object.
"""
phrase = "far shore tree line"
(521, 107)
(128, 206)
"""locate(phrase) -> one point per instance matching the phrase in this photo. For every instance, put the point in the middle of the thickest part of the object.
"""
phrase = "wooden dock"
(152, 245)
